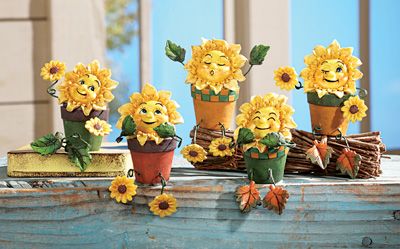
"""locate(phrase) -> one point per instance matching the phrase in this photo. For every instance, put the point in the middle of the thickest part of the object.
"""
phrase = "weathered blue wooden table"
(326, 212)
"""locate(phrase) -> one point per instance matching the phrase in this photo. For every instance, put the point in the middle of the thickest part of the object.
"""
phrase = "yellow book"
(111, 160)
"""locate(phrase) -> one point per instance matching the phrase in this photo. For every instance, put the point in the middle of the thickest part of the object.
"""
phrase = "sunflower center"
(285, 77)
(53, 70)
(163, 205)
(353, 109)
(193, 153)
(222, 147)
(97, 127)
(121, 189)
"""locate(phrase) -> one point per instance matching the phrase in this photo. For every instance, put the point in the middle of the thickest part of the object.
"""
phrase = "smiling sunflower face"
(88, 87)
(266, 114)
(331, 70)
(149, 109)
(215, 64)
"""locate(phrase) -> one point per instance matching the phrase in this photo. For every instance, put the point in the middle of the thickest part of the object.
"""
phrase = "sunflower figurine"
(83, 95)
(214, 73)
(264, 134)
(148, 121)
(330, 84)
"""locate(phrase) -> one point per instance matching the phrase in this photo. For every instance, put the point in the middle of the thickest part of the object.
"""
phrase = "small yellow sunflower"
(221, 147)
(216, 64)
(194, 153)
(98, 127)
(163, 205)
(53, 70)
(285, 78)
(354, 109)
(122, 189)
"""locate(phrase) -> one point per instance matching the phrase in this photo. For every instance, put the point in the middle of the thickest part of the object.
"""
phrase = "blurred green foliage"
(121, 23)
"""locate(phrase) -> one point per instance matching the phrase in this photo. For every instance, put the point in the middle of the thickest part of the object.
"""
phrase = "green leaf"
(258, 54)
(128, 128)
(245, 136)
(174, 51)
(78, 152)
(272, 140)
(165, 130)
(47, 144)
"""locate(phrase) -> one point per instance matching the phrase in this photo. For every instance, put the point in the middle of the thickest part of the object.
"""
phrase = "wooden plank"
(109, 161)
(26, 48)
(18, 125)
(23, 9)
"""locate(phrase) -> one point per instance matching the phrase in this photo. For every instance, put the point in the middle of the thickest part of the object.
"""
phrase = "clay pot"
(74, 122)
(326, 115)
(257, 164)
(211, 109)
(151, 159)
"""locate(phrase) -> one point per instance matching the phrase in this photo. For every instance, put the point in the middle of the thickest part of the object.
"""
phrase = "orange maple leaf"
(276, 199)
(320, 153)
(349, 162)
(248, 196)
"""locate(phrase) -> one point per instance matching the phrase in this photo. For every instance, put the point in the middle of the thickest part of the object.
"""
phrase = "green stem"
(248, 70)
(163, 182)
(51, 91)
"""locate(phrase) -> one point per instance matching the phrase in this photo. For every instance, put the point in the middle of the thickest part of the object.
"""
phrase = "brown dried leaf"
(320, 153)
(276, 199)
(349, 162)
(248, 196)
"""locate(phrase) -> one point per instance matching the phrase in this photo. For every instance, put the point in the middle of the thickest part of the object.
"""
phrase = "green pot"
(258, 164)
(74, 123)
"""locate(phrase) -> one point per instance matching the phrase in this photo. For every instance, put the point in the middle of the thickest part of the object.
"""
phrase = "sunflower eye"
(208, 63)
(221, 65)
(82, 82)
(158, 112)
(256, 118)
(91, 88)
(271, 118)
(339, 70)
(143, 111)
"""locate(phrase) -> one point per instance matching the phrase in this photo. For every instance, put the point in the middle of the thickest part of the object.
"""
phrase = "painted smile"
(83, 94)
(263, 129)
(148, 123)
(331, 81)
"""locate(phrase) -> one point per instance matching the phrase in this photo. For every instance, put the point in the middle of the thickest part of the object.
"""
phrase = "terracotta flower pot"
(257, 164)
(74, 122)
(211, 109)
(151, 159)
(326, 115)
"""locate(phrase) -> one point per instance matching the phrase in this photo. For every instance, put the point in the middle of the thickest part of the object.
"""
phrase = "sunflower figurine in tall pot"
(263, 133)
(214, 73)
(330, 79)
(83, 95)
(148, 121)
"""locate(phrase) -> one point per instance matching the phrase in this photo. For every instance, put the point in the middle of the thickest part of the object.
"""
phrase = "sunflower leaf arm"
(78, 151)
(275, 139)
(165, 130)
(258, 53)
(245, 136)
(48, 144)
(175, 52)
(128, 128)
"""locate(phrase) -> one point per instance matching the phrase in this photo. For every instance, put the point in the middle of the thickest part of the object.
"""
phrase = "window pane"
(122, 53)
(316, 22)
(185, 24)
(385, 78)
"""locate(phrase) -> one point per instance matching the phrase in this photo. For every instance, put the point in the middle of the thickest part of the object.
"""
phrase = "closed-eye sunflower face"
(265, 120)
(331, 70)
(214, 65)
(87, 87)
(267, 114)
(149, 115)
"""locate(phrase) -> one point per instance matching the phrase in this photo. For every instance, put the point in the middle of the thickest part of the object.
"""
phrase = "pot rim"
(327, 100)
(167, 145)
(208, 95)
(77, 115)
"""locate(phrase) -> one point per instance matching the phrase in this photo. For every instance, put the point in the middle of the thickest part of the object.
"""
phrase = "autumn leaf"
(248, 196)
(320, 153)
(349, 162)
(276, 199)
